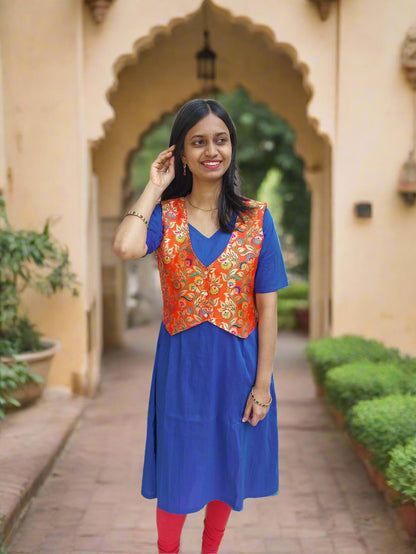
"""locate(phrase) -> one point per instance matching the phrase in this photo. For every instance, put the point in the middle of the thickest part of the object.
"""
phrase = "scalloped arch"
(148, 41)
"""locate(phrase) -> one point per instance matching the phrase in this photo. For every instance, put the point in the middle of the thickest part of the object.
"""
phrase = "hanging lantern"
(407, 180)
(205, 60)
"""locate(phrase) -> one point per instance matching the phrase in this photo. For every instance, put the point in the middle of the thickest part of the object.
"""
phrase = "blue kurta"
(197, 448)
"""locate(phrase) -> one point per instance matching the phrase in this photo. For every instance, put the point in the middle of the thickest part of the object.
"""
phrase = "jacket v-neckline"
(187, 224)
(185, 210)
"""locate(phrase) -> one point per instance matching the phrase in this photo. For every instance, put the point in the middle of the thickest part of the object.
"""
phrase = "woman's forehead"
(208, 125)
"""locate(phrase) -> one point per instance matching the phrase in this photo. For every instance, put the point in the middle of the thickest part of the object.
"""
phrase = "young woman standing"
(212, 422)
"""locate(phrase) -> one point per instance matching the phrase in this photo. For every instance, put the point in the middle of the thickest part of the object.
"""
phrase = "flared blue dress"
(197, 448)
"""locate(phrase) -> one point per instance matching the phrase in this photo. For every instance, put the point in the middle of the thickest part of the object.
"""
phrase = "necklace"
(202, 209)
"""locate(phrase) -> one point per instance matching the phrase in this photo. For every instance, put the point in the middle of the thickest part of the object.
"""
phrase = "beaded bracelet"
(140, 216)
(260, 403)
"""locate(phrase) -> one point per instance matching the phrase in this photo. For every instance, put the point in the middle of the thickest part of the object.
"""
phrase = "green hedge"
(289, 299)
(329, 352)
(298, 290)
(383, 423)
(401, 471)
(408, 367)
(362, 380)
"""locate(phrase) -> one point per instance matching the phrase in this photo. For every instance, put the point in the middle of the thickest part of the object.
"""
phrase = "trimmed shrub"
(286, 312)
(383, 423)
(401, 471)
(348, 384)
(298, 290)
(408, 367)
(329, 352)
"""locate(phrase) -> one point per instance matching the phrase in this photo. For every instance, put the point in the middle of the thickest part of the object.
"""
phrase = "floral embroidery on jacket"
(221, 293)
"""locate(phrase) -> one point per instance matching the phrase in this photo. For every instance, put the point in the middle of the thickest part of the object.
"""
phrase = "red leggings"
(169, 528)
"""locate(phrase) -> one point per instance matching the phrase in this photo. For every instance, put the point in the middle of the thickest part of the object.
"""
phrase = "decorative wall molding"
(148, 41)
(408, 56)
(98, 9)
(324, 7)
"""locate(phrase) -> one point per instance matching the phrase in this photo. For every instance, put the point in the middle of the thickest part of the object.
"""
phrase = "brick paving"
(91, 501)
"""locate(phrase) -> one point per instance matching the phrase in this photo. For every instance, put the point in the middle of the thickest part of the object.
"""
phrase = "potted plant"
(28, 259)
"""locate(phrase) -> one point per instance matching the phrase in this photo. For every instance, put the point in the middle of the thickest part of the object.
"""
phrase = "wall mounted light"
(407, 178)
(363, 209)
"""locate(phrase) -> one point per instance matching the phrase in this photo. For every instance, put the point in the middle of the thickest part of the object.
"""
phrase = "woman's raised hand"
(162, 170)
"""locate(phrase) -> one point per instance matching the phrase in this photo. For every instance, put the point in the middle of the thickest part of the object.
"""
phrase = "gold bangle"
(140, 216)
(260, 403)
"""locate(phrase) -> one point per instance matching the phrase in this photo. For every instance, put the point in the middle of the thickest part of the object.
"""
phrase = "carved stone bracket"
(324, 7)
(98, 8)
(408, 56)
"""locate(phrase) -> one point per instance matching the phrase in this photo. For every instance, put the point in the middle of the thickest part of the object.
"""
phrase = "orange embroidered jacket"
(221, 293)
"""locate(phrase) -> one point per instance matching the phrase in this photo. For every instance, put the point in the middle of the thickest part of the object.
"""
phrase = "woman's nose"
(211, 148)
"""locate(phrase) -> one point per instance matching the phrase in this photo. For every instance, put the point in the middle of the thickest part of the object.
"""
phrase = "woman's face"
(207, 149)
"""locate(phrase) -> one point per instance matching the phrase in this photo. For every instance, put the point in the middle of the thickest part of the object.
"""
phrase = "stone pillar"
(320, 250)
(113, 283)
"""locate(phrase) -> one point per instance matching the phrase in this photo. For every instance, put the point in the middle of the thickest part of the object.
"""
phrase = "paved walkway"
(91, 503)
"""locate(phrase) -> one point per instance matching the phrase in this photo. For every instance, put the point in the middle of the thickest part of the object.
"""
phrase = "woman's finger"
(165, 154)
(247, 411)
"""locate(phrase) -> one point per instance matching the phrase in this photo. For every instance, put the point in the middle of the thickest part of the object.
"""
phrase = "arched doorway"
(158, 78)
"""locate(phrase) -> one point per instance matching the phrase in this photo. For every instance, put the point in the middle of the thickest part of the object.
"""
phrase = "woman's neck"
(205, 195)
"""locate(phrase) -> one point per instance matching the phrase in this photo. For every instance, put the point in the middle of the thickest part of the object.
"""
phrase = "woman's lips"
(213, 164)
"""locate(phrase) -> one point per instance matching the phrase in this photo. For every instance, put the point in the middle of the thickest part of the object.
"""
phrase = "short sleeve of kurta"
(271, 273)
(155, 229)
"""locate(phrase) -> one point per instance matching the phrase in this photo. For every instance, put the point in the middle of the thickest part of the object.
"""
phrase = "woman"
(212, 420)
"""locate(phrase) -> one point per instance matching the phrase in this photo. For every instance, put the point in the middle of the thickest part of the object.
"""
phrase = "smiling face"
(208, 149)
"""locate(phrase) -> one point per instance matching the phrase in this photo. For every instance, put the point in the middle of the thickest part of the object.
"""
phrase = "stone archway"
(158, 77)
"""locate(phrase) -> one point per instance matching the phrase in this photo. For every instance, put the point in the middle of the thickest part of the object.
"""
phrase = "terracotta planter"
(302, 319)
(362, 452)
(338, 416)
(320, 391)
(39, 364)
(407, 513)
(365, 457)
(376, 476)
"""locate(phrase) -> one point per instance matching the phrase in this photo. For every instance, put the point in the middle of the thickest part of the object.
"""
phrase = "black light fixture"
(407, 179)
(363, 209)
(205, 60)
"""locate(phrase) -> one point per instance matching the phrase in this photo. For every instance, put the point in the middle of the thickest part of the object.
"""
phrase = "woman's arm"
(267, 330)
(129, 241)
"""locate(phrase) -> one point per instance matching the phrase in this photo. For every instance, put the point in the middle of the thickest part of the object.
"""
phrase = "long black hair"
(230, 200)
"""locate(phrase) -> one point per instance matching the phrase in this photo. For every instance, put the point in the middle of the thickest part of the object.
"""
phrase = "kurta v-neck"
(208, 249)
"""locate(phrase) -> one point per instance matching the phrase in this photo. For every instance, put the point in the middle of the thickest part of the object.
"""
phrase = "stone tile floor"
(91, 501)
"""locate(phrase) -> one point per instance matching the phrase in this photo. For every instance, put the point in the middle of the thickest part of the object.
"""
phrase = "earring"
(184, 168)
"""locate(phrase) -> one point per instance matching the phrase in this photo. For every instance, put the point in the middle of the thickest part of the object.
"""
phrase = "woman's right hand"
(162, 170)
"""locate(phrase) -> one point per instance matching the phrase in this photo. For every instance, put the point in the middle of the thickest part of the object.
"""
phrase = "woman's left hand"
(253, 412)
